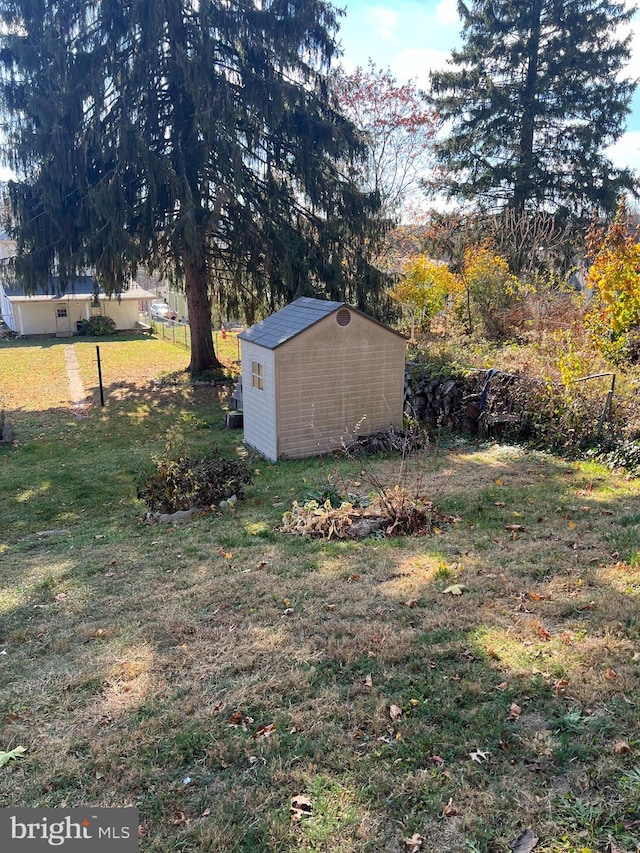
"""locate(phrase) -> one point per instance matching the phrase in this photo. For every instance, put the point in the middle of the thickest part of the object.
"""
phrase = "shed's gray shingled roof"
(289, 321)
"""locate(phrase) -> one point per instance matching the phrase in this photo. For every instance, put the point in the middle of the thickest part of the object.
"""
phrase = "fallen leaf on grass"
(239, 719)
(395, 712)
(620, 747)
(265, 731)
(514, 713)
(560, 684)
(514, 528)
(6, 757)
(454, 589)
(479, 756)
(449, 810)
(368, 682)
(301, 806)
(610, 674)
(524, 843)
(543, 634)
(414, 843)
(410, 602)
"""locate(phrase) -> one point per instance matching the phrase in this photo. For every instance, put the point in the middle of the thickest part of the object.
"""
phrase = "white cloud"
(385, 21)
(417, 64)
(625, 153)
(447, 12)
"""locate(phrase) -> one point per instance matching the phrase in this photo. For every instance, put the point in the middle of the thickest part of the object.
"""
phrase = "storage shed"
(318, 373)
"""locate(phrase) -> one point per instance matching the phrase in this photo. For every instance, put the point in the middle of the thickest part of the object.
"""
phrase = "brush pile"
(395, 512)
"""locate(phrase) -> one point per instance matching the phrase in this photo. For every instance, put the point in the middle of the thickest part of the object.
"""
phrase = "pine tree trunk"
(524, 184)
(203, 356)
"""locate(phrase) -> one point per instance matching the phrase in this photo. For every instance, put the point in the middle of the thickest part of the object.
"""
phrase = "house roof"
(79, 288)
(293, 319)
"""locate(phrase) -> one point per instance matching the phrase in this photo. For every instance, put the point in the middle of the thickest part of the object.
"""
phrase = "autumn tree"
(490, 291)
(614, 318)
(530, 102)
(199, 139)
(425, 287)
(398, 127)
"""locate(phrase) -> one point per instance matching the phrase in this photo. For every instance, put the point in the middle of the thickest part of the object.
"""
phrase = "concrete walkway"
(77, 393)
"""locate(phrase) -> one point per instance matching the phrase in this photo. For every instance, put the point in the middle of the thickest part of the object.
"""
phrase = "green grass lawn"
(209, 673)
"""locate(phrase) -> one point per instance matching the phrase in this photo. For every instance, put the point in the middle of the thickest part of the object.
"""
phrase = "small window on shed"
(257, 375)
(62, 312)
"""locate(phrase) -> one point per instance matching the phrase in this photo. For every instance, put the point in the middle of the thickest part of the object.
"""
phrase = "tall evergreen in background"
(534, 96)
(198, 138)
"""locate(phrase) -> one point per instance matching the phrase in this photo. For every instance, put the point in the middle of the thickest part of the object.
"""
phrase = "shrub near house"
(97, 326)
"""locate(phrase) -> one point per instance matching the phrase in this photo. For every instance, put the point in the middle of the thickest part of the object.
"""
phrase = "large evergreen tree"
(198, 137)
(533, 97)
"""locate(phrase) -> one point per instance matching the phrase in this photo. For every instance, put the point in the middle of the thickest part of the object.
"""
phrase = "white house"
(318, 373)
(56, 313)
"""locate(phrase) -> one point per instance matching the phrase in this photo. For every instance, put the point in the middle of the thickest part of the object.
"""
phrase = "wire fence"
(178, 332)
(175, 331)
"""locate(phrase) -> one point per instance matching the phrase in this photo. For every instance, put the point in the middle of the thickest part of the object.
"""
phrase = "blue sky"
(411, 37)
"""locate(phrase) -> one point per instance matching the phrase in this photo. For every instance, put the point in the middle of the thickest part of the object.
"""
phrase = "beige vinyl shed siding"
(334, 382)
(259, 406)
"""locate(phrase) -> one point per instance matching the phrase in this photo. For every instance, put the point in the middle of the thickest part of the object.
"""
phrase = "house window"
(62, 312)
(257, 375)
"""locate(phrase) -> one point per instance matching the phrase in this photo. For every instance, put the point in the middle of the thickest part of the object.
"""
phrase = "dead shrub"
(183, 483)
(392, 512)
